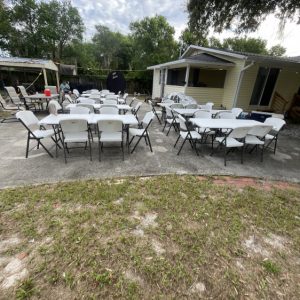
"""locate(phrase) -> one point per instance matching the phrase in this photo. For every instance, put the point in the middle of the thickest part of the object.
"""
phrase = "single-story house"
(230, 78)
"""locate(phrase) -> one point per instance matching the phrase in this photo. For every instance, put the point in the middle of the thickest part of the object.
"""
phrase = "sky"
(117, 15)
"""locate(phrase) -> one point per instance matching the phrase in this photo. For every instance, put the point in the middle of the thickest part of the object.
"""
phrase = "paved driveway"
(40, 168)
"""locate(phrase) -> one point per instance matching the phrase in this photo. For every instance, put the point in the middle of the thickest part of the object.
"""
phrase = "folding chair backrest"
(79, 110)
(73, 125)
(54, 107)
(169, 112)
(192, 106)
(27, 117)
(13, 95)
(125, 96)
(109, 110)
(148, 118)
(138, 105)
(112, 97)
(76, 93)
(94, 91)
(89, 106)
(226, 115)
(239, 132)
(182, 123)
(236, 111)
(203, 114)
(110, 101)
(275, 122)
(110, 125)
(23, 90)
(260, 130)
(94, 97)
(177, 105)
(87, 101)
(68, 97)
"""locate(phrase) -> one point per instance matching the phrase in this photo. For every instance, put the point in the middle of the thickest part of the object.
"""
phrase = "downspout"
(240, 82)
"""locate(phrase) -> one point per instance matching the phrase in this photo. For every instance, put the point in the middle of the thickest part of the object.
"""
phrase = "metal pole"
(45, 76)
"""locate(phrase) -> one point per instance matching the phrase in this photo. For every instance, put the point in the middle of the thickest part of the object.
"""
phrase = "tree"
(189, 37)
(277, 50)
(153, 40)
(252, 45)
(241, 15)
(40, 29)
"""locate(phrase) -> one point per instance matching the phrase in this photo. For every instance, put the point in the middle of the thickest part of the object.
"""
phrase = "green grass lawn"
(159, 237)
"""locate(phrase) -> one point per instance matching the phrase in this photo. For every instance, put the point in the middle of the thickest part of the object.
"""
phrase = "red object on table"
(47, 92)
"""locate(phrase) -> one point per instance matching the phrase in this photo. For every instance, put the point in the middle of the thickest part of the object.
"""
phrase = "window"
(210, 78)
(176, 76)
(264, 86)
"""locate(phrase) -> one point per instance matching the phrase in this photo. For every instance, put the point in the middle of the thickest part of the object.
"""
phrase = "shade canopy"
(27, 63)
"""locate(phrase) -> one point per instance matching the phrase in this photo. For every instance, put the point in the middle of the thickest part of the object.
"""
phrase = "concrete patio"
(40, 168)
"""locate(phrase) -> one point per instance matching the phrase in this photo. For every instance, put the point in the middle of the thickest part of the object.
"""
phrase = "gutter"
(240, 81)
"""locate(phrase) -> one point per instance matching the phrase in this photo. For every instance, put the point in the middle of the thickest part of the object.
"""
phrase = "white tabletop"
(223, 123)
(98, 106)
(186, 111)
(42, 96)
(91, 118)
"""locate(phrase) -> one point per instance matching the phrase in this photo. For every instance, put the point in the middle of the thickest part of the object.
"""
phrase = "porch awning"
(200, 60)
(27, 63)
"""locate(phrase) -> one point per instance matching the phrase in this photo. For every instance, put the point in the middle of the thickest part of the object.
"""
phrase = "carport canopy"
(30, 64)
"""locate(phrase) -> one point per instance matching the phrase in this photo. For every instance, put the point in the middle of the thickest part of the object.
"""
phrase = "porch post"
(57, 80)
(45, 77)
(187, 74)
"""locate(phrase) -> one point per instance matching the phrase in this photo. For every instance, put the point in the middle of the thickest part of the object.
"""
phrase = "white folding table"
(223, 123)
(121, 107)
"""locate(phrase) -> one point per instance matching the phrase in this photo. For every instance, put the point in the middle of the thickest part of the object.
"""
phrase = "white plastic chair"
(89, 106)
(236, 111)
(76, 93)
(225, 115)
(136, 109)
(109, 110)
(176, 105)
(158, 113)
(191, 106)
(54, 107)
(79, 110)
(30, 121)
(277, 125)
(87, 101)
(171, 119)
(234, 139)
(110, 131)
(256, 137)
(75, 131)
(110, 102)
(142, 132)
(205, 132)
(186, 134)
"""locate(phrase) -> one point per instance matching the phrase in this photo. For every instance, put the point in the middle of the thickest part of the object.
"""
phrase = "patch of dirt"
(9, 243)
(157, 247)
(132, 276)
(197, 288)
(254, 246)
(119, 201)
(276, 241)
(149, 220)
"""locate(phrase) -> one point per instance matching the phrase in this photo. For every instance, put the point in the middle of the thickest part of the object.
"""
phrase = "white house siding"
(173, 89)
(155, 84)
(231, 83)
(246, 87)
(203, 95)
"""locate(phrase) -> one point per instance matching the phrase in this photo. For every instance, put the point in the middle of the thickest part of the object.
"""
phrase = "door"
(264, 86)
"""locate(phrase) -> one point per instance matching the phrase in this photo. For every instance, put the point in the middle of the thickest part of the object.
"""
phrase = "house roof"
(245, 55)
(202, 59)
(32, 63)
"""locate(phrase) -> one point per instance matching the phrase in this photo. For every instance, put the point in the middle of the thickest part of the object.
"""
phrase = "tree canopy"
(32, 29)
(242, 15)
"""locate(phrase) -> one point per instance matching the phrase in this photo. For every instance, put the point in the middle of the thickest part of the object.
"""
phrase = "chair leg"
(242, 154)
(262, 153)
(99, 149)
(65, 153)
(181, 146)
(122, 146)
(164, 126)
(275, 146)
(177, 140)
(90, 146)
(136, 143)
(149, 142)
(45, 149)
(27, 146)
